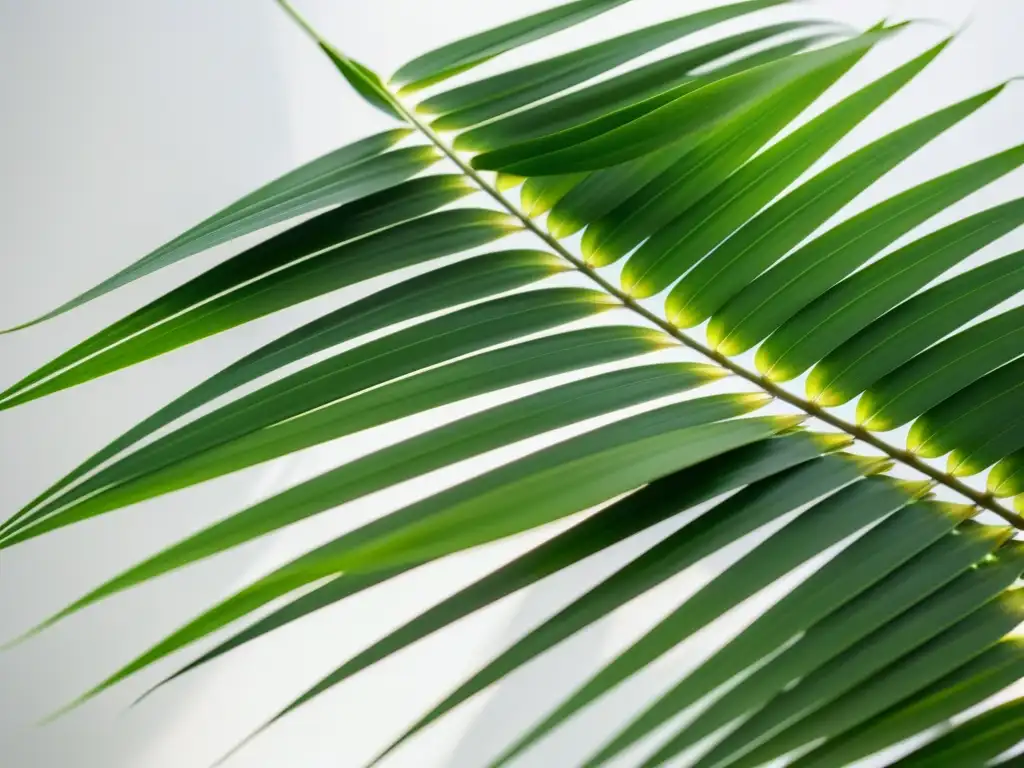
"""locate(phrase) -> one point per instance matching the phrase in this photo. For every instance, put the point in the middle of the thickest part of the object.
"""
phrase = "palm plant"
(693, 180)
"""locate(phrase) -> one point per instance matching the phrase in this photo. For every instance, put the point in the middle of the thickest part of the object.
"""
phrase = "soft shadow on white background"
(126, 122)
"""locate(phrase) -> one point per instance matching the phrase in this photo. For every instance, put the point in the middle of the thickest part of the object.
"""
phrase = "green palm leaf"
(696, 162)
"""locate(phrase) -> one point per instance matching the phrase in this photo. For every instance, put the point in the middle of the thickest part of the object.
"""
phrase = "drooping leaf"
(289, 414)
(916, 670)
(468, 280)
(968, 685)
(337, 177)
(438, 448)
(758, 504)
(960, 600)
(190, 312)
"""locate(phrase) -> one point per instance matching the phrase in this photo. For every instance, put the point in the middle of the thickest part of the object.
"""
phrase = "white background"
(122, 123)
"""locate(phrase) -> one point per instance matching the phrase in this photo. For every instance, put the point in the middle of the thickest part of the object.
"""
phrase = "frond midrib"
(981, 499)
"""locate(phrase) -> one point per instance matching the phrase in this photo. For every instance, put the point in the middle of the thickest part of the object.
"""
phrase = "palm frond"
(697, 176)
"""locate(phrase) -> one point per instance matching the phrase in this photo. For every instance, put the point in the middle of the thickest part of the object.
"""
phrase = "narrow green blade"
(872, 557)
(603, 190)
(697, 231)
(441, 447)
(293, 405)
(776, 295)
(640, 510)
(494, 96)
(978, 452)
(640, 132)
(469, 280)
(469, 52)
(910, 674)
(365, 82)
(971, 415)
(968, 685)
(825, 524)
(326, 181)
(768, 497)
(959, 600)
(549, 485)
(939, 564)
(592, 102)
(974, 742)
(707, 165)
(1007, 477)
(941, 371)
(911, 328)
(772, 233)
(540, 194)
(856, 302)
(190, 312)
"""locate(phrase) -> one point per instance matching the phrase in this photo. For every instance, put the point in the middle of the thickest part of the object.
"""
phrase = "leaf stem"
(299, 19)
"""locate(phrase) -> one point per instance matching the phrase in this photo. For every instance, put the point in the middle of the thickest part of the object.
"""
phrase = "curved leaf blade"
(603, 190)
(479, 101)
(288, 414)
(850, 306)
(640, 510)
(469, 52)
(772, 233)
(697, 231)
(941, 371)
(941, 654)
(184, 315)
(776, 295)
(465, 438)
(911, 328)
(638, 131)
(940, 564)
(869, 559)
(318, 184)
(969, 685)
(706, 166)
(615, 93)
